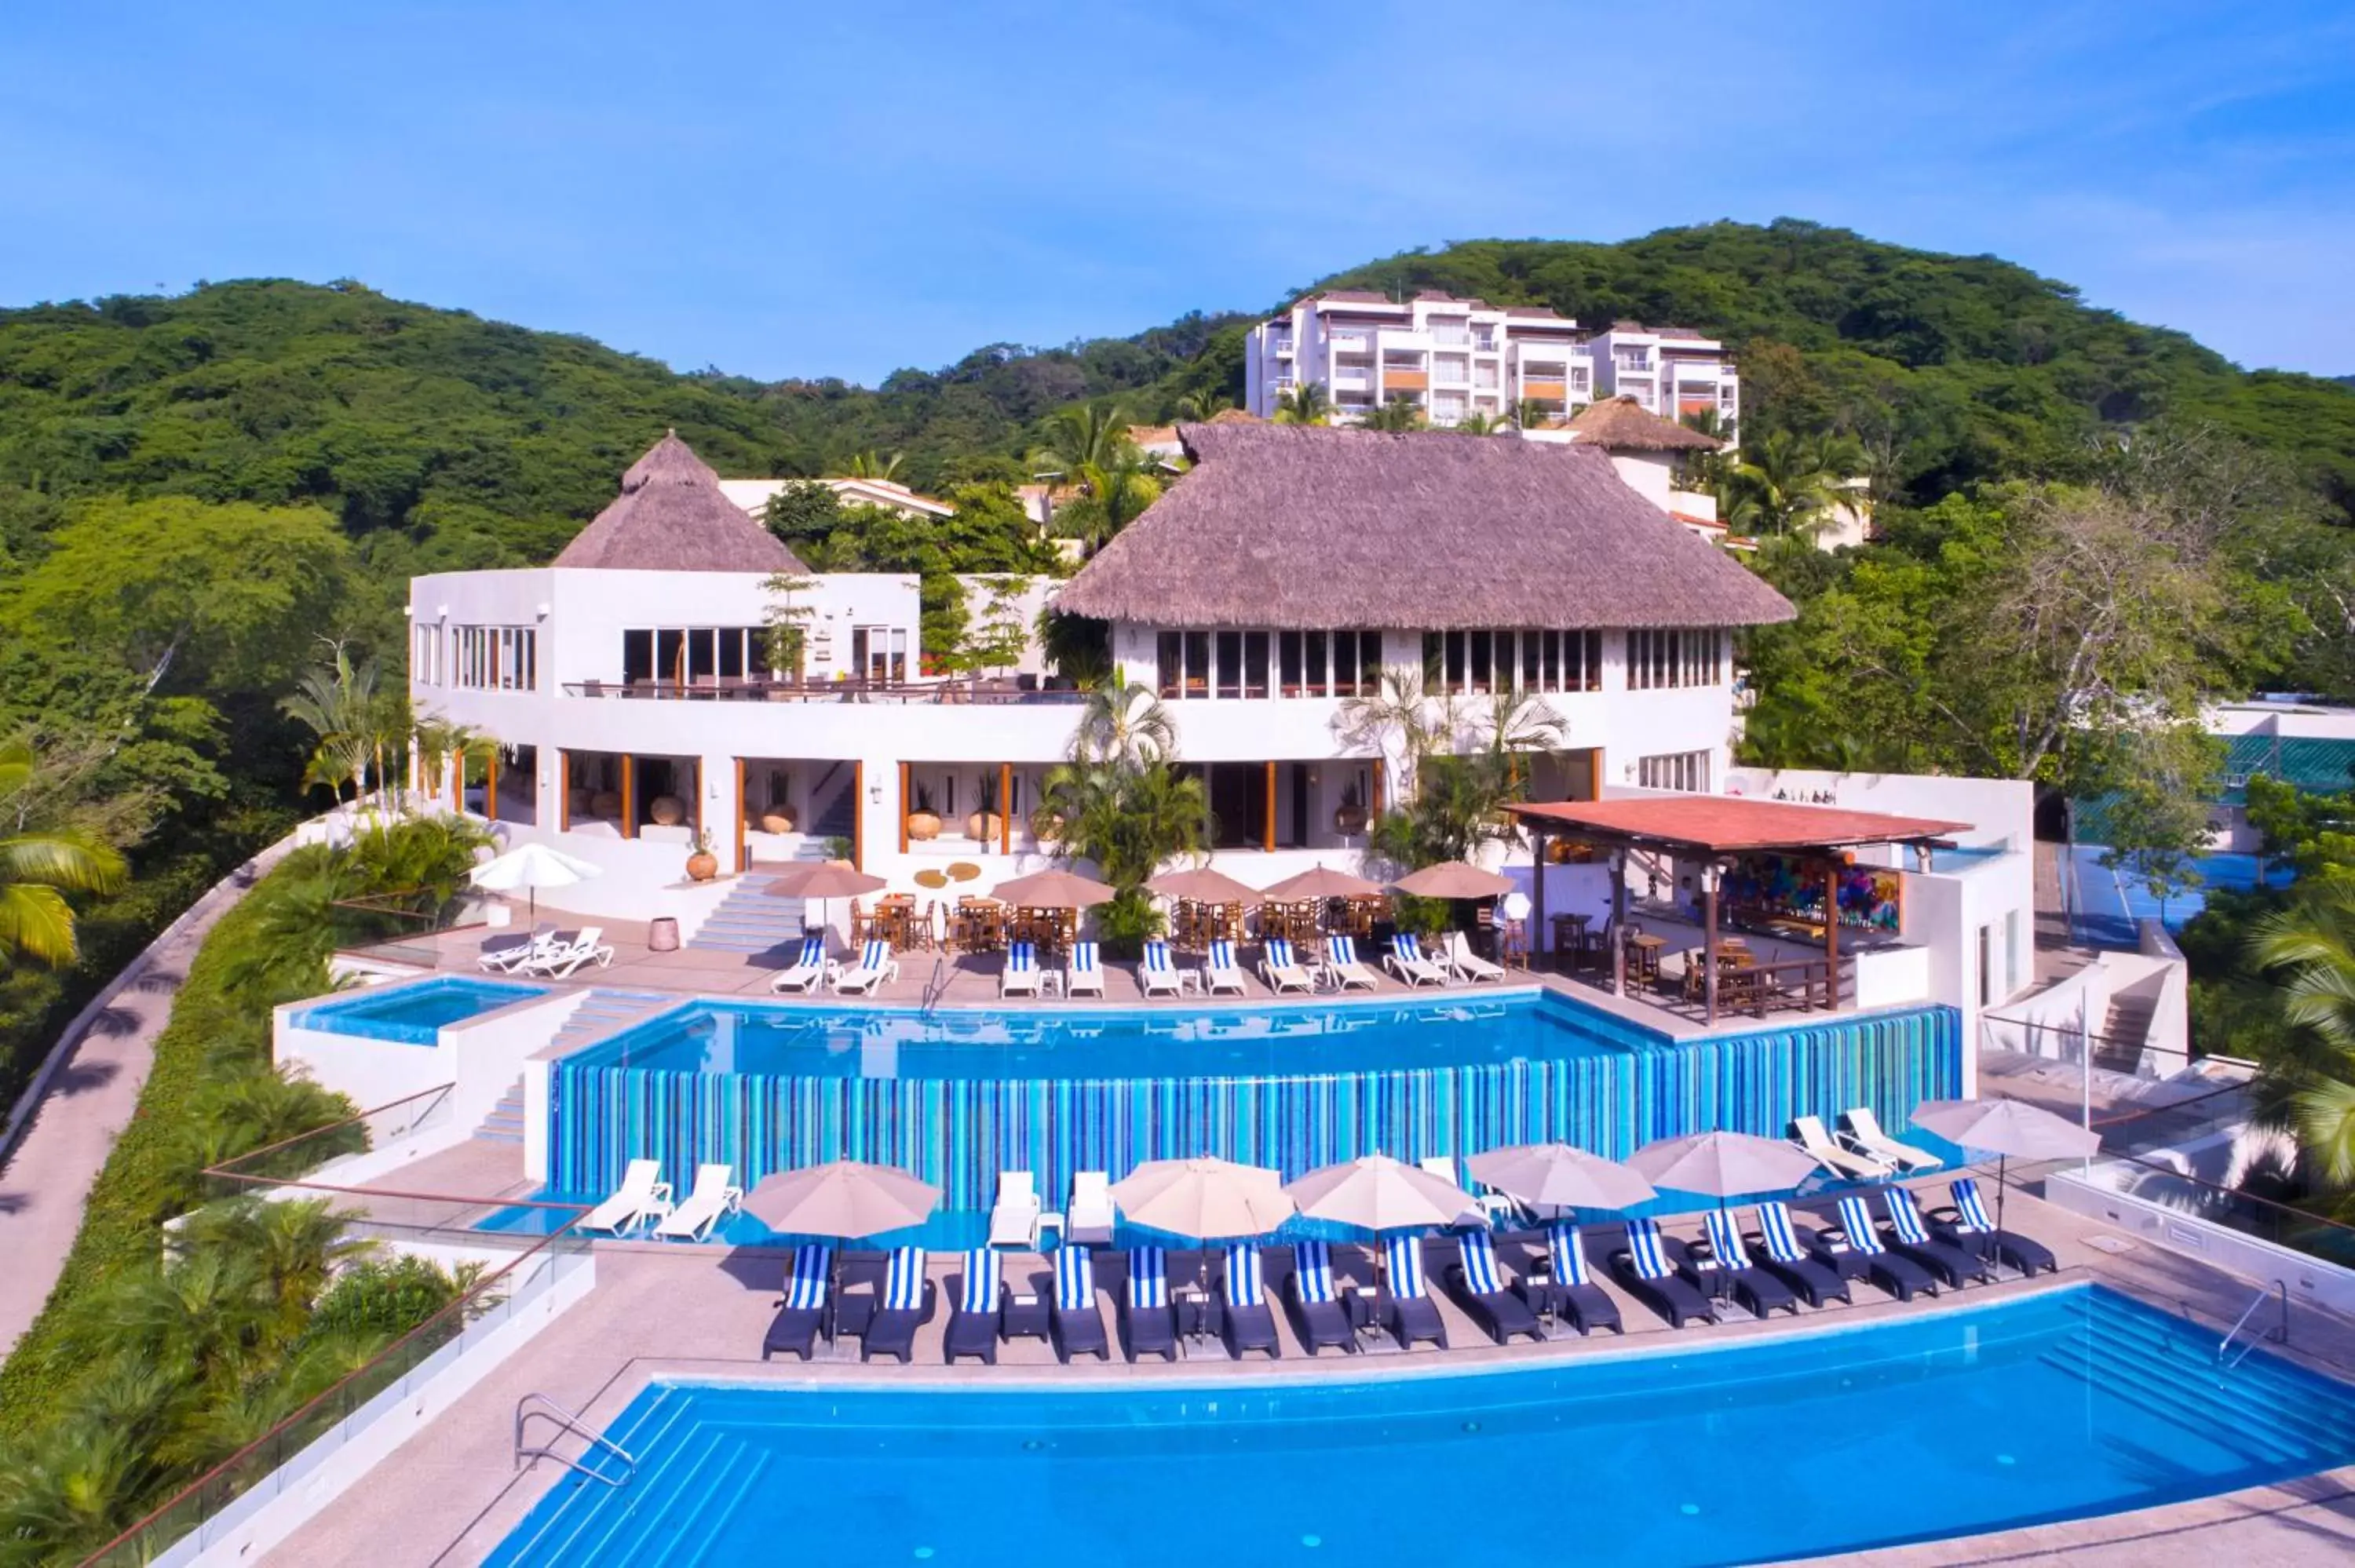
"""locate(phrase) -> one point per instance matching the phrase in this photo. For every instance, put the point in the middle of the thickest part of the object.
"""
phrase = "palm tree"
(867, 465)
(2310, 1082)
(1530, 414)
(1480, 422)
(335, 701)
(1785, 484)
(1113, 494)
(1089, 435)
(1306, 404)
(1201, 407)
(1396, 414)
(1124, 725)
(1398, 708)
(39, 865)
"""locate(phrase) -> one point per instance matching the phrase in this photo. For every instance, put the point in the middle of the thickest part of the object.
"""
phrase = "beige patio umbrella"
(1204, 884)
(1321, 882)
(1453, 879)
(1376, 1193)
(1558, 1176)
(1205, 1198)
(2005, 1128)
(843, 1199)
(1722, 1165)
(1055, 890)
(823, 880)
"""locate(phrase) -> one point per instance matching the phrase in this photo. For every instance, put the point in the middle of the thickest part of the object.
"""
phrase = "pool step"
(504, 1124)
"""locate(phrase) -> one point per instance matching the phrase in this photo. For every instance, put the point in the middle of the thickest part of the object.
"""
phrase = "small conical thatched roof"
(1622, 425)
(671, 516)
(1297, 526)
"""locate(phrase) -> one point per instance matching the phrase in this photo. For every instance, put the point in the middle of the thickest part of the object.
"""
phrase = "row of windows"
(484, 658)
(1686, 770)
(1458, 663)
(1260, 664)
(1686, 656)
(683, 655)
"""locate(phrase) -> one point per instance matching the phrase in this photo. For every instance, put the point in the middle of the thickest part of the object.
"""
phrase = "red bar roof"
(1721, 824)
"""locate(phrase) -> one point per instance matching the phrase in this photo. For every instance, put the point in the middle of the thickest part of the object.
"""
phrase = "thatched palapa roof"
(1299, 526)
(672, 516)
(1622, 425)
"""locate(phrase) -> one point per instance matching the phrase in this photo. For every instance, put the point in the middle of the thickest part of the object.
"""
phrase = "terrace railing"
(942, 692)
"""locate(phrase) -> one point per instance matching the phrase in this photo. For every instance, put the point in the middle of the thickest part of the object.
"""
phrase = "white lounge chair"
(1221, 972)
(1864, 1136)
(1156, 975)
(1021, 973)
(564, 956)
(516, 951)
(812, 970)
(1491, 1204)
(1346, 969)
(1282, 972)
(1407, 962)
(715, 1196)
(643, 1195)
(1807, 1132)
(1084, 977)
(876, 966)
(1467, 964)
(1014, 1218)
(1089, 1221)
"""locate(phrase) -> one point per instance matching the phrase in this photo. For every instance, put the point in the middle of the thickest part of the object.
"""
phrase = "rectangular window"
(1313, 651)
(1434, 661)
(731, 653)
(1345, 663)
(1533, 667)
(1229, 675)
(1198, 663)
(1254, 663)
(670, 654)
(1457, 662)
(1685, 770)
(1287, 663)
(1370, 663)
(2010, 951)
(1170, 653)
(702, 655)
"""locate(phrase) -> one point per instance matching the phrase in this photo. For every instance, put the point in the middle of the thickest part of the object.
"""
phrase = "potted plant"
(923, 822)
(777, 816)
(1349, 817)
(702, 865)
(1047, 825)
(984, 823)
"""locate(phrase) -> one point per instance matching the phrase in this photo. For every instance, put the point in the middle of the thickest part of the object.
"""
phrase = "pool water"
(413, 1014)
(1267, 1041)
(2071, 1402)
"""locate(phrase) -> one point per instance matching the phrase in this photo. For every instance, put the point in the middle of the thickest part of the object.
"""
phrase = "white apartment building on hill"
(1673, 372)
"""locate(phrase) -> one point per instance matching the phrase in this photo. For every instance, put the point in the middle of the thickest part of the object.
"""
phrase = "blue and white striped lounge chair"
(1281, 970)
(1909, 1237)
(1221, 972)
(1644, 1268)
(1407, 962)
(808, 970)
(1786, 1258)
(1571, 1292)
(1156, 975)
(1407, 1309)
(1728, 1263)
(1967, 1226)
(798, 1320)
(1079, 1322)
(1021, 976)
(1149, 1324)
(1348, 972)
(1250, 1320)
(1865, 1254)
(1084, 977)
(974, 1326)
(1319, 1316)
(874, 966)
(1497, 1308)
(907, 1306)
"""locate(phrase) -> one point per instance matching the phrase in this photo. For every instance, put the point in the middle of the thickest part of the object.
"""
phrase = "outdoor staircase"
(600, 1012)
(751, 921)
(504, 1124)
(2125, 1031)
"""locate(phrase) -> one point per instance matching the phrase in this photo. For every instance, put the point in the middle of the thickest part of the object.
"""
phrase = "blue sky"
(841, 190)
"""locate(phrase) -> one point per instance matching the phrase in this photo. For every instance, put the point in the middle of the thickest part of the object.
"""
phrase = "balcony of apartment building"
(1450, 334)
(1448, 407)
(1278, 343)
(1450, 370)
(1400, 375)
(1350, 340)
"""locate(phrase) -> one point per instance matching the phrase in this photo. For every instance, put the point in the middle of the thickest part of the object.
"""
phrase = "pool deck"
(673, 1312)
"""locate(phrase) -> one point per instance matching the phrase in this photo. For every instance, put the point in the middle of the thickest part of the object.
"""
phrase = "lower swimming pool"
(413, 1014)
(2071, 1402)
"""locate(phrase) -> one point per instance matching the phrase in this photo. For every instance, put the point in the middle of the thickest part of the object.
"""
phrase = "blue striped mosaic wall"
(958, 1134)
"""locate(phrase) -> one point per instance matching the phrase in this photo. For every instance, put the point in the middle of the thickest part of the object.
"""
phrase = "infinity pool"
(413, 1014)
(2069, 1404)
(1264, 1041)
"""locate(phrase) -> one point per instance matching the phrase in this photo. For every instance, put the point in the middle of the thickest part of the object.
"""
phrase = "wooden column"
(1267, 828)
(1708, 937)
(859, 815)
(742, 858)
(1539, 934)
(491, 784)
(697, 819)
(563, 790)
(456, 763)
(1005, 808)
(903, 808)
(1619, 922)
(629, 795)
(1374, 806)
(1594, 773)
(1832, 934)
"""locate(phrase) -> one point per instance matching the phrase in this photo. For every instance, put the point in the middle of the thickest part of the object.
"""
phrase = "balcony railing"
(1450, 337)
(1000, 691)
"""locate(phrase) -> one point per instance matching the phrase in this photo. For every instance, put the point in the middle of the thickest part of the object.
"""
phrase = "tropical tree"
(1396, 414)
(40, 865)
(1085, 436)
(1786, 484)
(867, 465)
(1201, 407)
(1306, 404)
(1480, 422)
(337, 702)
(2309, 1075)
(1124, 725)
(1113, 495)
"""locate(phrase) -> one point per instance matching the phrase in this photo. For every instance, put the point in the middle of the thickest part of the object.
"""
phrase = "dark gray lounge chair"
(1908, 1236)
(1318, 1318)
(1079, 1321)
(1864, 1258)
(1966, 1225)
(976, 1324)
(905, 1305)
(1149, 1324)
(1501, 1311)
(1406, 1307)
(1782, 1254)
(1644, 1267)
(1569, 1291)
(1250, 1320)
(798, 1320)
(1727, 1265)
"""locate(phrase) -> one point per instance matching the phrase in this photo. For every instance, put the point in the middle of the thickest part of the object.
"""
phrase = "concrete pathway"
(93, 1087)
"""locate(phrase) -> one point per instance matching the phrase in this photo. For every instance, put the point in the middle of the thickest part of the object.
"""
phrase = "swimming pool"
(2068, 1403)
(413, 1014)
(959, 1095)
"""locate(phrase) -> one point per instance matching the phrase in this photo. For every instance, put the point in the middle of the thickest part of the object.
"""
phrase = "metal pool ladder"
(2279, 1334)
(566, 1421)
(937, 982)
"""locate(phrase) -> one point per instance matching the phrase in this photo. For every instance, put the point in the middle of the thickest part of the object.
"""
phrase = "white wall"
(481, 1057)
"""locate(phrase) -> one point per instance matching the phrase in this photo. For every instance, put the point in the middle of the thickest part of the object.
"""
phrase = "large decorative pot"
(702, 866)
(777, 818)
(1046, 826)
(1349, 821)
(605, 803)
(666, 810)
(924, 826)
(984, 827)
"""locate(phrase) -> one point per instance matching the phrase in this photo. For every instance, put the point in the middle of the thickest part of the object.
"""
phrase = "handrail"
(566, 1421)
(2280, 1336)
(934, 985)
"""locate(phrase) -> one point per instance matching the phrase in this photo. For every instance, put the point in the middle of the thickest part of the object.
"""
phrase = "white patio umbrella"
(1205, 1198)
(1722, 1165)
(1376, 1193)
(1558, 1176)
(532, 867)
(2005, 1128)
